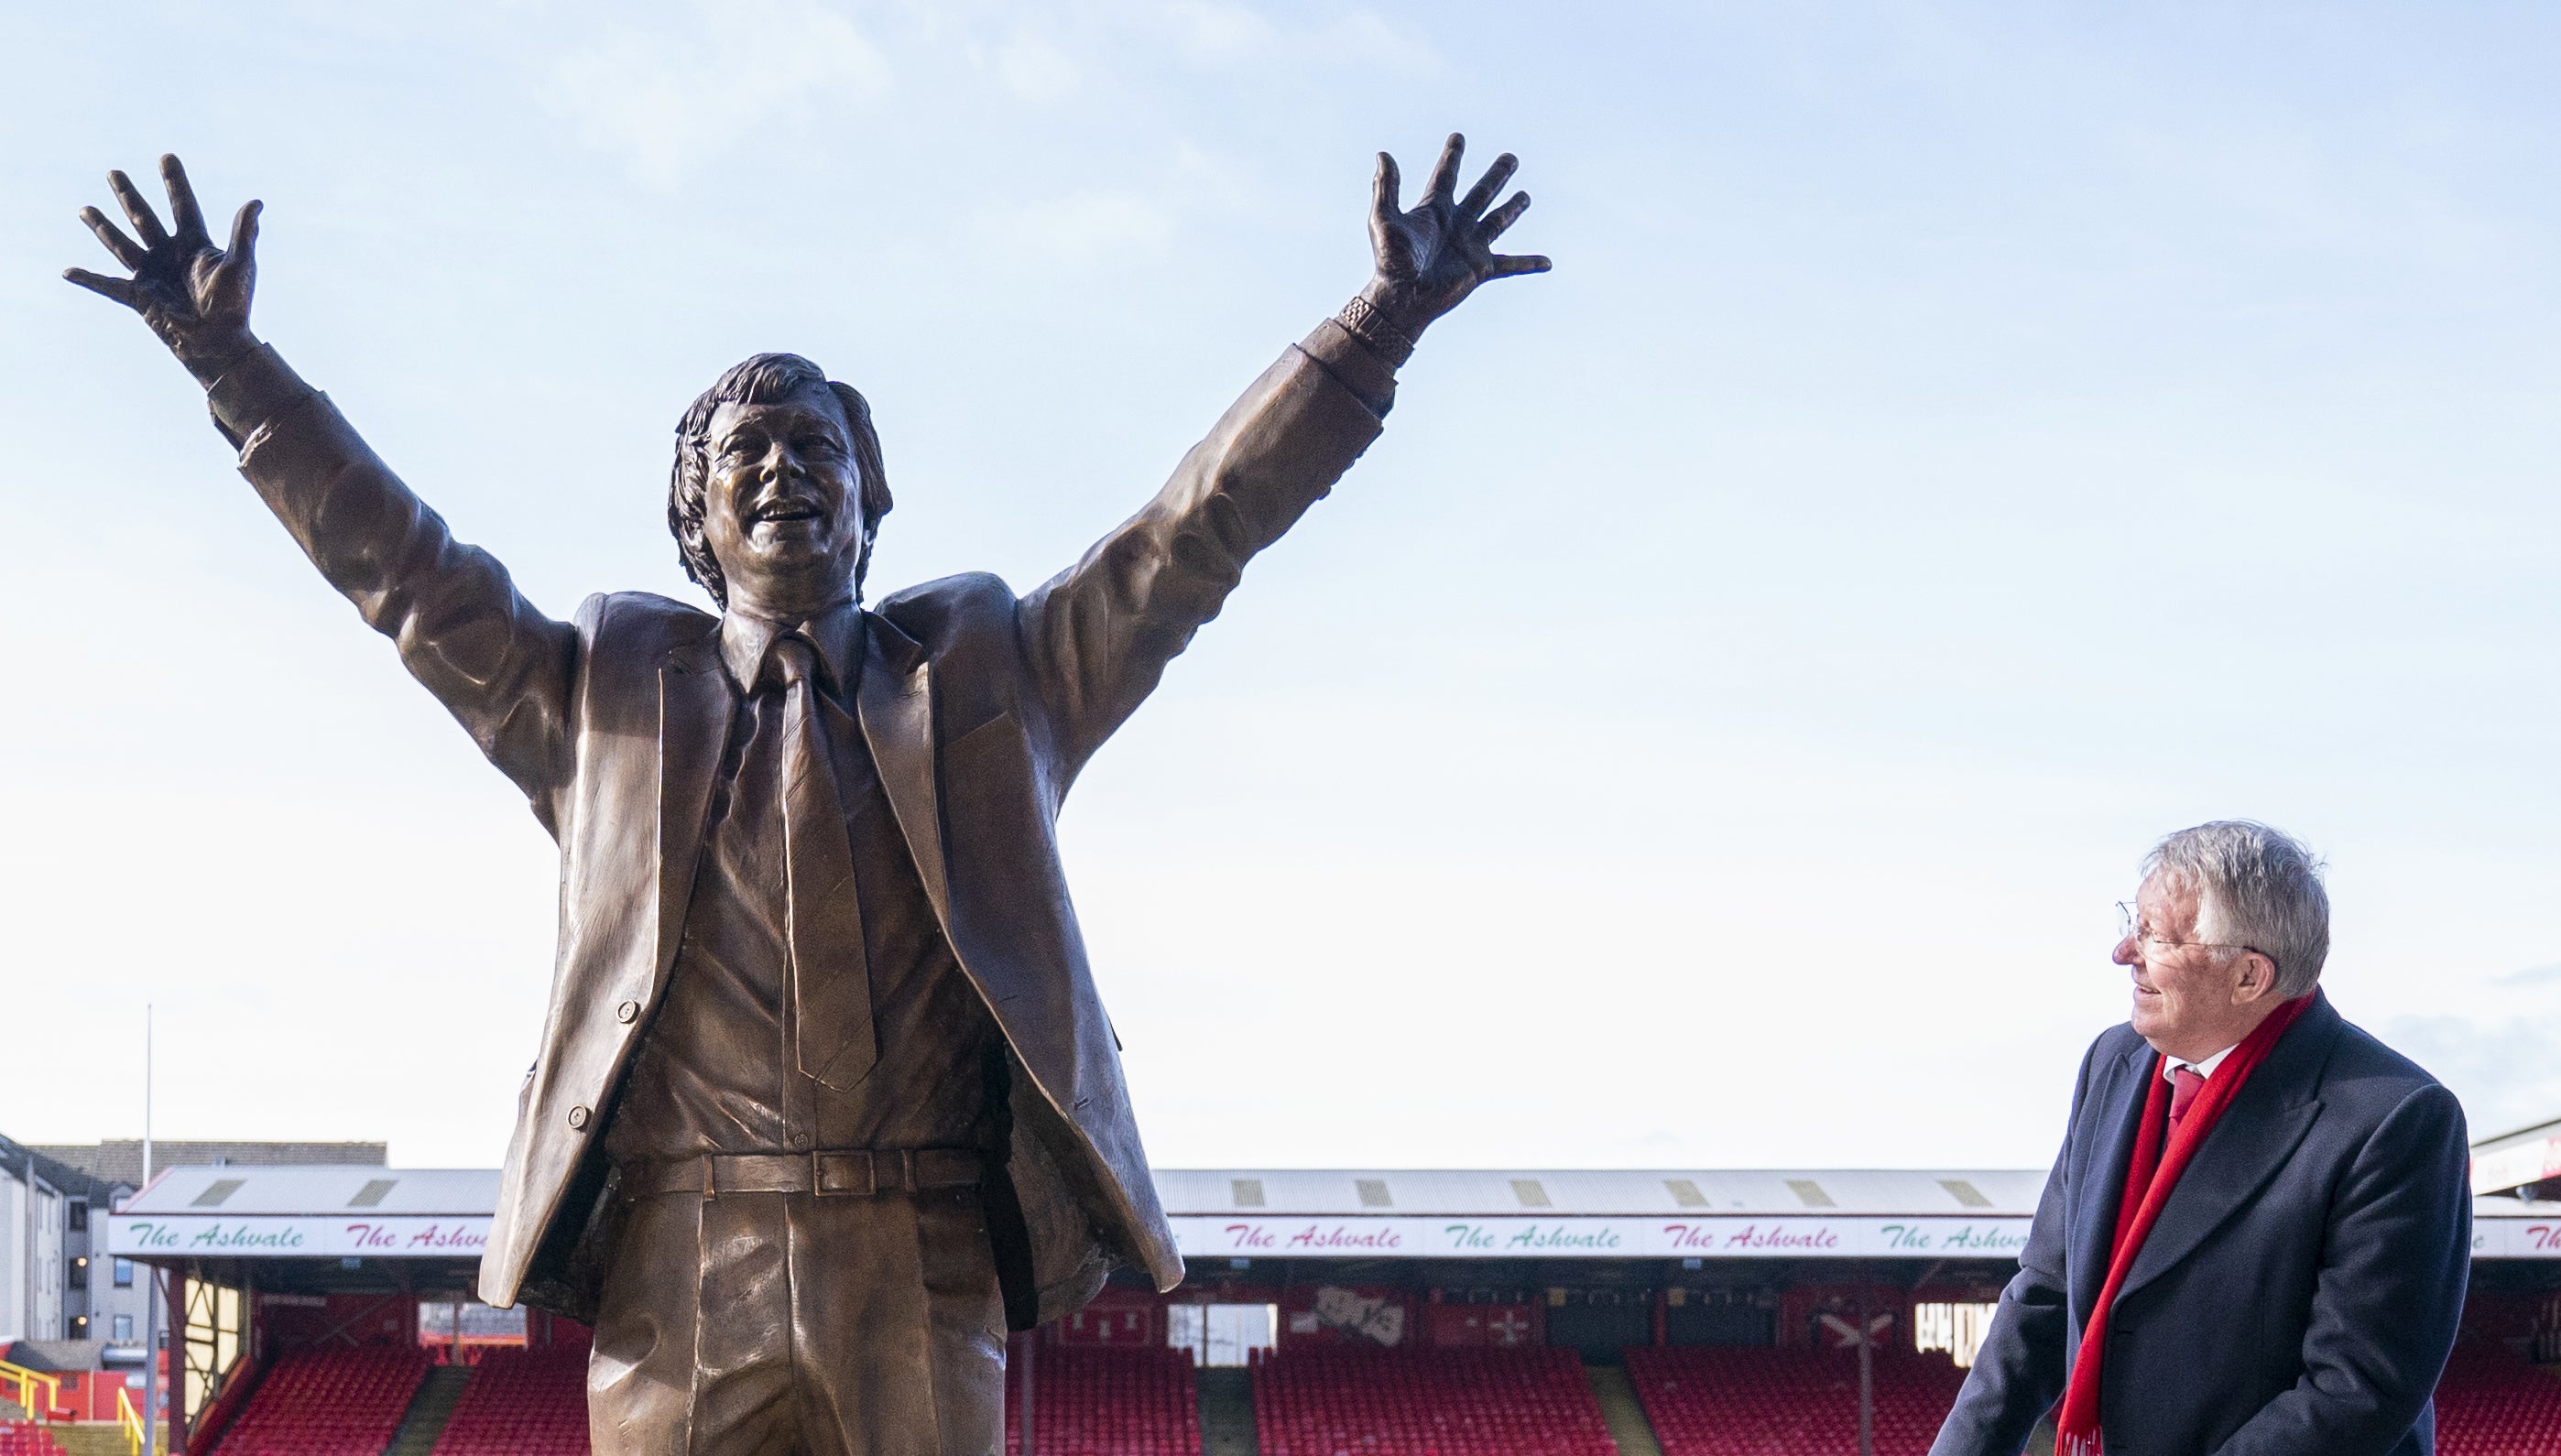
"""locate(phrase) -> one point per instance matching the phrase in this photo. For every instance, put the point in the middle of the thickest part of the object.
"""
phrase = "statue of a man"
(825, 1100)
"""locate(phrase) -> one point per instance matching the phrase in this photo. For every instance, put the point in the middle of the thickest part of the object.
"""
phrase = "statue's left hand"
(193, 295)
(1434, 257)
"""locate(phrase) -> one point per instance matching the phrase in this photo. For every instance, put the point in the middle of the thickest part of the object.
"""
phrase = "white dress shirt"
(2204, 1069)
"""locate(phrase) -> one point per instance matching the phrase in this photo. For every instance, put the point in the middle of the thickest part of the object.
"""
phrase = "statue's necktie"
(2184, 1085)
(830, 985)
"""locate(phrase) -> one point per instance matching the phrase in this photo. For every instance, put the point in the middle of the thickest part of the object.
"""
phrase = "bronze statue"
(826, 1101)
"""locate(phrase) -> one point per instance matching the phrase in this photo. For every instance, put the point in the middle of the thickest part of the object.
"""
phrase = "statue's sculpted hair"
(764, 379)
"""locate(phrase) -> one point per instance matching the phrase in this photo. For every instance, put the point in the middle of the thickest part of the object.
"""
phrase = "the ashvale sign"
(179, 1235)
(2516, 1238)
(1278, 1237)
(130, 1234)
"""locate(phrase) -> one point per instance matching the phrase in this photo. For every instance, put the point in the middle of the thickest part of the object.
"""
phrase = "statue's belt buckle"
(832, 1174)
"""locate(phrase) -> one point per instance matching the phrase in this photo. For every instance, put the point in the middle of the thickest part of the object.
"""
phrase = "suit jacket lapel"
(2245, 1148)
(694, 709)
(896, 704)
(2117, 1110)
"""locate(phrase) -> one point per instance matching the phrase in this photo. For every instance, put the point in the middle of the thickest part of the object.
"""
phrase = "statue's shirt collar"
(838, 633)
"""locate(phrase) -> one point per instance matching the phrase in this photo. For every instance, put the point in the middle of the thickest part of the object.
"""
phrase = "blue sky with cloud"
(1959, 443)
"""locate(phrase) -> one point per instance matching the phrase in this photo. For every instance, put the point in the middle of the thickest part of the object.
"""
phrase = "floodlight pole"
(146, 1094)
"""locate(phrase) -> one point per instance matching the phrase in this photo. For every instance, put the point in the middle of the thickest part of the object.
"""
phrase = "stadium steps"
(428, 1411)
(1620, 1410)
(12, 1411)
(98, 1438)
(1226, 1412)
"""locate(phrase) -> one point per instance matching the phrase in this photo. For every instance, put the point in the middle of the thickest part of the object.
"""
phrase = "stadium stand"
(1341, 1401)
(25, 1438)
(1105, 1400)
(521, 1402)
(328, 1402)
(1721, 1401)
(2495, 1403)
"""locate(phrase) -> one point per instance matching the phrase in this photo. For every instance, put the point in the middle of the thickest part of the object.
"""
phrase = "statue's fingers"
(185, 219)
(244, 248)
(1383, 186)
(120, 289)
(146, 222)
(1444, 173)
(1503, 217)
(126, 251)
(1482, 195)
(1515, 264)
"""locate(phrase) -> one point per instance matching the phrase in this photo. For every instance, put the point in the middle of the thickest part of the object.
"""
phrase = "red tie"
(2184, 1085)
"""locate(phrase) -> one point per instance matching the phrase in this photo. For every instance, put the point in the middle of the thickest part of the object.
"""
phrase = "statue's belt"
(858, 1173)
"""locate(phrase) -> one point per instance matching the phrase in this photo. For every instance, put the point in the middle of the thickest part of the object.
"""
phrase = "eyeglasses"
(2130, 927)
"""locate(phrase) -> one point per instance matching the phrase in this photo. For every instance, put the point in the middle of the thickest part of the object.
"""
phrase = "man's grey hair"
(2258, 887)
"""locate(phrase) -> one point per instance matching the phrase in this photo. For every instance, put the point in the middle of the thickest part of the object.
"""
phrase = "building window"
(80, 1273)
(79, 1215)
(123, 1322)
(1957, 1329)
(1222, 1334)
(123, 1275)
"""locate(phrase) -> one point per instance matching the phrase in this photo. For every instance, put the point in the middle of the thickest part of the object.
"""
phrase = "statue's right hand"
(193, 295)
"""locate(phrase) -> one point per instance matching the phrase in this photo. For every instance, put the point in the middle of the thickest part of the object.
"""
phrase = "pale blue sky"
(1957, 444)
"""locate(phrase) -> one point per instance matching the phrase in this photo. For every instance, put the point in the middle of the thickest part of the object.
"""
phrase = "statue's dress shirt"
(716, 1070)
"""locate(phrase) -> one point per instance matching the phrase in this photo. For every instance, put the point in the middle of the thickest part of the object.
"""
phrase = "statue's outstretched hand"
(193, 295)
(1435, 256)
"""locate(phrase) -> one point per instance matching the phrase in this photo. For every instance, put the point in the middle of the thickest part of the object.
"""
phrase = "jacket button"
(578, 1118)
(627, 1013)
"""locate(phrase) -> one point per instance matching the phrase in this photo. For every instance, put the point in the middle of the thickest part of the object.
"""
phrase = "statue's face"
(782, 507)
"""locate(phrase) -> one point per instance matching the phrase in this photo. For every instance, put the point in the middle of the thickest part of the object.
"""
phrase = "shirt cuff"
(1353, 363)
(254, 391)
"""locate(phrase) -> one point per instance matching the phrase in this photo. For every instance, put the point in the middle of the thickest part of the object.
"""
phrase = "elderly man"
(2255, 1238)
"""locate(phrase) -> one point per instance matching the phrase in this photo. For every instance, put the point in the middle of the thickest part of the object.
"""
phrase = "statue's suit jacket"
(2300, 1293)
(613, 725)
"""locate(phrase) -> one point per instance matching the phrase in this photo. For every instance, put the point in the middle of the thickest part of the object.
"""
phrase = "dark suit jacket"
(2298, 1294)
(613, 725)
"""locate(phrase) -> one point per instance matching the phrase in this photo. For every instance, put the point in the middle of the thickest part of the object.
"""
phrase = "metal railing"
(129, 1421)
(25, 1381)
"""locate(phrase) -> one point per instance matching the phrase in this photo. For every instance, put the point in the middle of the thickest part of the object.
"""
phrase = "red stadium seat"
(27, 1438)
(1348, 1400)
(521, 1402)
(1109, 1400)
(2495, 1403)
(1789, 1402)
(328, 1402)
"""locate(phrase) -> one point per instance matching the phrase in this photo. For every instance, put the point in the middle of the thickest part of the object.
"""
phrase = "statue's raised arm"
(1100, 633)
(464, 630)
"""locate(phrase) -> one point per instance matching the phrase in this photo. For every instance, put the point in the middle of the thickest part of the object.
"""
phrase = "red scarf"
(2162, 1154)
